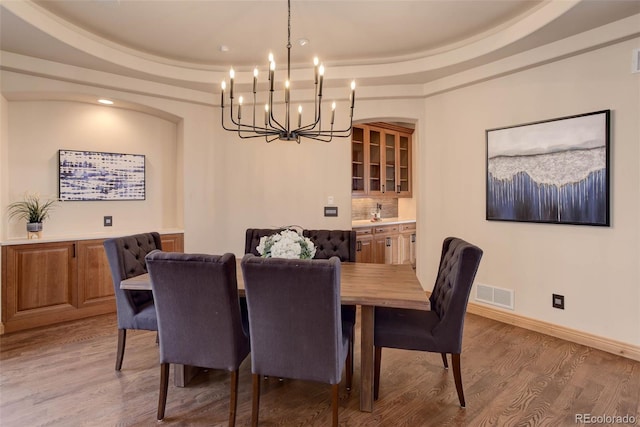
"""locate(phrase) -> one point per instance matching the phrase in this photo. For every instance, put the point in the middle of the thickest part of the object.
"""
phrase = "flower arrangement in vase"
(286, 244)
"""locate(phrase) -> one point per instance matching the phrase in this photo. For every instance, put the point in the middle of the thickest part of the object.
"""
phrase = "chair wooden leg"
(457, 376)
(122, 339)
(335, 403)
(255, 407)
(233, 398)
(164, 385)
(376, 372)
(444, 360)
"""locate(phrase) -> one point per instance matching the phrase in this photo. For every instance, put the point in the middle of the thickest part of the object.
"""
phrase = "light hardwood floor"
(64, 376)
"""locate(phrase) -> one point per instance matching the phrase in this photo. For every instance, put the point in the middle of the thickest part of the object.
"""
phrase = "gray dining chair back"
(135, 309)
(295, 322)
(440, 329)
(328, 243)
(341, 244)
(199, 321)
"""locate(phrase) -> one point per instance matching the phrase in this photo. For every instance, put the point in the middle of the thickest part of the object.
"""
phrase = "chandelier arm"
(318, 138)
(223, 125)
(336, 133)
(250, 133)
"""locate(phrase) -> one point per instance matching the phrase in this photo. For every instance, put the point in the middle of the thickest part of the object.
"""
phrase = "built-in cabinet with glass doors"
(381, 160)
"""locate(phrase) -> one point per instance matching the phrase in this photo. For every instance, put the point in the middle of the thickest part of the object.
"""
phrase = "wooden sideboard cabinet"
(386, 244)
(53, 282)
(381, 160)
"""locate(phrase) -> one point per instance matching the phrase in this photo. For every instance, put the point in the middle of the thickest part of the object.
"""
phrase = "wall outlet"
(108, 221)
(558, 301)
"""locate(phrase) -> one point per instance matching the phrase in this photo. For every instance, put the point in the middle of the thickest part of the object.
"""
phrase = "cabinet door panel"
(364, 248)
(94, 277)
(358, 161)
(39, 277)
(404, 166)
(390, 162)
(172, 242)
(376, 162)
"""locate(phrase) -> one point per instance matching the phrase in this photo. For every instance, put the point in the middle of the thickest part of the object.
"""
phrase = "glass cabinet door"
(404, 164)
(390, 163)
(357, 161)
(374, 161)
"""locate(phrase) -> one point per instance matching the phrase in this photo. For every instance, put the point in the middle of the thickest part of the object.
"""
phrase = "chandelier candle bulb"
(266, 114)
(353, 95)
(321, 73)
(333, 112)
(299, 115)
(240, 108)
(232, 74)
(255, 79)
(224, 86)
(315, 69)
(286, 92)
(272, 69)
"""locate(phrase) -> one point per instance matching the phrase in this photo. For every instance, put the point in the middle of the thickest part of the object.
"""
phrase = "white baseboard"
(601, 343)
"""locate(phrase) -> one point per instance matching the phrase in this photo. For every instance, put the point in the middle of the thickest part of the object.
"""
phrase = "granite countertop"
(384, 221)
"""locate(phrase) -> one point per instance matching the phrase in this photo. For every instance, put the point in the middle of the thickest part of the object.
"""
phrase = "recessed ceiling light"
(223, 48)
(105, 101)
(303, 42)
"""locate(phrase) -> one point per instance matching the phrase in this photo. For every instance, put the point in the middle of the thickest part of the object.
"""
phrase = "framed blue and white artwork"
(553, 171)
(91, 175)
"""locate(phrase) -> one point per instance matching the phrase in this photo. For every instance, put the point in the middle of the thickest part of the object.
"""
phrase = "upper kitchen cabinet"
(381, 160)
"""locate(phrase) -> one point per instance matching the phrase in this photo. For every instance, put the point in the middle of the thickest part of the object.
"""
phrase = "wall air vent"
(495, 296)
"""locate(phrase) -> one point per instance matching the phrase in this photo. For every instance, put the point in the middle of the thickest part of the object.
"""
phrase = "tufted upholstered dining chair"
(199, 319)
(135, 309)
(440, 329)
(340, 243)
(295, 322)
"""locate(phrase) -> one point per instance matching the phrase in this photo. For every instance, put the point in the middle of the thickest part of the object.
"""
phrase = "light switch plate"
(330, 211)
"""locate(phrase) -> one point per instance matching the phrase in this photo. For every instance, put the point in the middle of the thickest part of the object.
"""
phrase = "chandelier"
(273, 128)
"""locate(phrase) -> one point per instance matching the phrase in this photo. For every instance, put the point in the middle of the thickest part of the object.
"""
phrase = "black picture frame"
(95, 175)
(552, 171)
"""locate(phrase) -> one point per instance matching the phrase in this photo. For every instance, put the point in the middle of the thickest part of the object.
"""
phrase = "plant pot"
(34, 227)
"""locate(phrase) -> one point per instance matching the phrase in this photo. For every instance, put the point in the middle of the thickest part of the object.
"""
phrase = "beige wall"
(38, 129)
(596, 268)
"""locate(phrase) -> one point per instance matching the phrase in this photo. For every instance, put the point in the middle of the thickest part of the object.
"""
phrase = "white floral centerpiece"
(286, 244)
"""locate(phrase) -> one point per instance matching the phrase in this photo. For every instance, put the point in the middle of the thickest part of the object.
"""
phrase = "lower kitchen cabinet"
(386, 244)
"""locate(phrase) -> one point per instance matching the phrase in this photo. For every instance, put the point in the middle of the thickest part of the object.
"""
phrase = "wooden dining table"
(364, 284)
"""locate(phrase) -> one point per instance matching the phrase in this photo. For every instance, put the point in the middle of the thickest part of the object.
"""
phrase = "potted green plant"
(33, 210)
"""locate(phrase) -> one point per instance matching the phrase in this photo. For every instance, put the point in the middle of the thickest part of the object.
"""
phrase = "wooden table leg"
(366, 358)
(182, 374)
